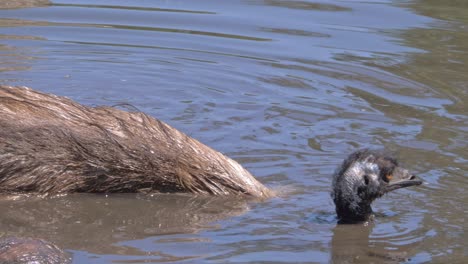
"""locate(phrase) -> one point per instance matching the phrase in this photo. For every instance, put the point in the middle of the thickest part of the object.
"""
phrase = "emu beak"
(401, 178)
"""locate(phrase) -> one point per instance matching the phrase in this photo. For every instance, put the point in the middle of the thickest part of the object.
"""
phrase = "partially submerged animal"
(31, 250)
(51, 145)
(363, 177)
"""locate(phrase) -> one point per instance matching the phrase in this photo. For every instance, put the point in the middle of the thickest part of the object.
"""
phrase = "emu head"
(363, 177)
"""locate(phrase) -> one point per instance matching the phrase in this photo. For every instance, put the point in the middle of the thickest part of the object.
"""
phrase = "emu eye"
(387, 178)
(366, 179)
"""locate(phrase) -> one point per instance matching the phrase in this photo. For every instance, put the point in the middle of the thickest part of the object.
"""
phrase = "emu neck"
(348, 214)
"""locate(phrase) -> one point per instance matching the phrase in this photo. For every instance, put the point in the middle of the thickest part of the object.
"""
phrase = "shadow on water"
(97, 224)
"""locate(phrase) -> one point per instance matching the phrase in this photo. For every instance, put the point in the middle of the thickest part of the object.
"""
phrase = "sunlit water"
(287, 88)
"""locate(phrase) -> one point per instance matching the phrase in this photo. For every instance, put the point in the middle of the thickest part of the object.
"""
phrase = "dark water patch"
(296, 32)
(323, 218)
(305, 5)
(137, 8)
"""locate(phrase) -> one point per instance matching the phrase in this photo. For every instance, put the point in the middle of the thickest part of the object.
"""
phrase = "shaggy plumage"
(363, 177)
(51, 144)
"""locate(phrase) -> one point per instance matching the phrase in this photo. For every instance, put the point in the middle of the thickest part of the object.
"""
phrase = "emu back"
(51, 144)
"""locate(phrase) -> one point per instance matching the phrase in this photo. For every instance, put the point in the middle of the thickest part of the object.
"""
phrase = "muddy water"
(287, 88)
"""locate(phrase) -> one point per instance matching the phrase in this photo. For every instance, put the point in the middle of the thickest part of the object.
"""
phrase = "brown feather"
(51, 144)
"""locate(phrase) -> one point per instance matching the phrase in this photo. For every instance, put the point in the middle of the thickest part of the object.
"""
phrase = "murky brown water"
(287, 88)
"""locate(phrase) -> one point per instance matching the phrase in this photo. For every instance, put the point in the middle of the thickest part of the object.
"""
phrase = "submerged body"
(51, 145)
(30, 250)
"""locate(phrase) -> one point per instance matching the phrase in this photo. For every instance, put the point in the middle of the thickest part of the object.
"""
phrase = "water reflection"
(354, 244)
(305, 5)
(96, 223)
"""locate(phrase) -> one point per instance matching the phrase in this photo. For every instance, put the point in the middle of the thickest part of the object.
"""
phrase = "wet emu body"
(51, 145)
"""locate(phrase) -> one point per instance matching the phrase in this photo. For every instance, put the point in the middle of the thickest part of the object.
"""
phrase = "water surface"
(287, 88)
